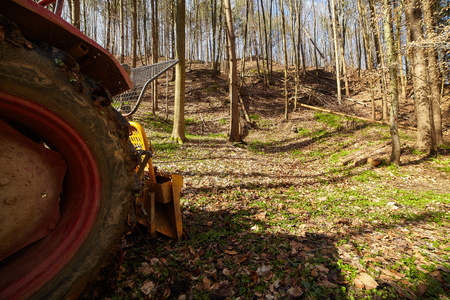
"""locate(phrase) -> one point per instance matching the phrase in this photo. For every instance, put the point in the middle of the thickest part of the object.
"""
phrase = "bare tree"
(433, 70)
(286, 99)
(75, 4)
(234, 100)
(155, 54)
(366, 38)
(393, 70)
(134, 43)
(122, 33)
(178, 131)
(418, 60)
(336, 49)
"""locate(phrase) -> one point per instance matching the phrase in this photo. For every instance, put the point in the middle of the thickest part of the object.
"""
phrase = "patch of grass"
(367, 176)
(156, 123)
(191, 121)
(394, 169)
(336, 156)
(349, 271)
(445, 164)
(417, 152)
(257, 146)
(320, 134)
(166, 147)
(329, 119)
(255, 117)
(445, 169)
(193, 136)
(212, 87)
(405, 136)
(223, 121)
(316, 153)
(386, 135)
(303, 131)
(297, 153)
(217, 135)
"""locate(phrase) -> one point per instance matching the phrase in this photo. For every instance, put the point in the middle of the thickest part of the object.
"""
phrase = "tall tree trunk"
(214, 34)
(419, 68)
(286, 99)
(393, 70)
(122, 33)
(316, 61)
(145, 35)
(433, 71)
(383, 79)
(155, 54)
(86, 27)
(134, 43)
(178, 131)
(76, 14)
(300, 43)
(255, 47)
(359, 54)
(114, 28)
(341, 40)
(172, 32)
(269, 43)
(376, 38)
(262, 48)
(234, 100)
(108, 25)
(336, 50)
(295, 52)
(244, 46)
(398, 35)
(219, 40)
(266, 45)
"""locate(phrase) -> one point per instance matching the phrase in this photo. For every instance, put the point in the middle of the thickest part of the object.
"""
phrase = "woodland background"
(390, 43)
(301, 203)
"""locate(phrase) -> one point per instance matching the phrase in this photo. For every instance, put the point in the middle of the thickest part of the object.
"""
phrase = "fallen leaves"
(145, 269)
(147, 287)
(364, 280)
(328, 284)
(294, 292)
(391, 274)
(264, 270)
(286, 223)
(421, 289)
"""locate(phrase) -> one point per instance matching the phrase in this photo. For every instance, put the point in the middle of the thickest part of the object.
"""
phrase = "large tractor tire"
(46, 99)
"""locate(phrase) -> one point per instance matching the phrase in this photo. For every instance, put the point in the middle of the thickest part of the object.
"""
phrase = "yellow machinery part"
(140, 142)
(159, 206)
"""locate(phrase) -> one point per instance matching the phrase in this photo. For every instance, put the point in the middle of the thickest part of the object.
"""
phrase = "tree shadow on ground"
(240, 252)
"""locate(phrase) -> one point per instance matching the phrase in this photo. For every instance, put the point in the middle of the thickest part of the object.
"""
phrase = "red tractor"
(67, 167)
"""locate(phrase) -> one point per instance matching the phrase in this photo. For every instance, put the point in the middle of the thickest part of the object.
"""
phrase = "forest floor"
(281, 216)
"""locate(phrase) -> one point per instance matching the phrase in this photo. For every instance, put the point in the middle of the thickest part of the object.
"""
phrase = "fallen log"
(360, 157)
(375, 161)
(356, 101)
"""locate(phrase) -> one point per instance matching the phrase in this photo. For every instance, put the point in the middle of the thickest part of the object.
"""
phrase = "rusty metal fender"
(40, 24)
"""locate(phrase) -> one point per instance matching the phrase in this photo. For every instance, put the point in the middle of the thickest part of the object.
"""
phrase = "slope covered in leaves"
(281, 217)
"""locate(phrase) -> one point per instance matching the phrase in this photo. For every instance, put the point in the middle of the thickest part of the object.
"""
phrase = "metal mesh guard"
(127, 103)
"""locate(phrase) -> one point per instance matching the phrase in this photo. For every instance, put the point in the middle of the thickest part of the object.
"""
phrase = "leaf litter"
(280, 217)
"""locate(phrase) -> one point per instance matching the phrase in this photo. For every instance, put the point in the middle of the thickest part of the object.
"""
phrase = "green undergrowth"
(281, 217)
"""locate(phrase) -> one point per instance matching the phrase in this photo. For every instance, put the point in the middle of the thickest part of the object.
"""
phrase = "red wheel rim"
(28, 270)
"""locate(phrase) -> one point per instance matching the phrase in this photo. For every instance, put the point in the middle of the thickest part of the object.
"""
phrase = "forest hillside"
(308, 208)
